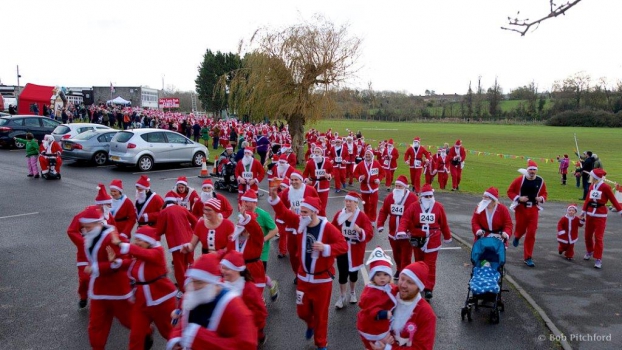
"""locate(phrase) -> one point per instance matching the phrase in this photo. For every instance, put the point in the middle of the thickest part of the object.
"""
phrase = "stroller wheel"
(463, 313)
(501, 306)
(494, 316)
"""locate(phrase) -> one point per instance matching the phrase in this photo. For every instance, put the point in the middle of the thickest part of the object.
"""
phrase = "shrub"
(587, 118)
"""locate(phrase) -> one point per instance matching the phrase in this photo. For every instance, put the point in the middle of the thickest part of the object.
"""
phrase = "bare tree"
(522, 25)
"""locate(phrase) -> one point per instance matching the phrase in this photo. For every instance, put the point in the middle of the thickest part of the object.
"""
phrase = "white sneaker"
(587, 256)
(339, 303)
(353, 299)
(598, 264)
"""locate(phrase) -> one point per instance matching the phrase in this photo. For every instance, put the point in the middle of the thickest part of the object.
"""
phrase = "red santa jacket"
(419, 331)
(73, 231)
(214, 239)
(531, 188)
(389, 159)
(189, 199)
(595, 202)
(568, 229)
(394, 211)
(292, 160)
(148, 212)
(414, 157)
(499, 222)
(430, 223)
(456, 157)
(53, 148)
(230, 326)
(356, 242)
(322, 263)
(367, 174)
(274, 172)
(371, 321)
(252, 299)
(148, 271)
(225, 207)
(353, 152)
(177, 223)
(108, 280)
(251, 247)
(252, 171)
(319, 175)
(124, 215)
(339, 156)
(292, 199)
(440, 164)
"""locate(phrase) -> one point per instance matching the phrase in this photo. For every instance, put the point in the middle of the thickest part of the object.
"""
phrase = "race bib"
(320, 172)
(295, 206)
(417, 163)
(427, 218)
(299, 297)
(596, 195)
(349, 233)
(386, 162)
(397, 209)
(247, 175)
(373, 172)
(338, 159)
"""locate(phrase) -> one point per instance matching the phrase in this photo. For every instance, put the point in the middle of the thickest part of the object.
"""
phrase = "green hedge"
(587, 118)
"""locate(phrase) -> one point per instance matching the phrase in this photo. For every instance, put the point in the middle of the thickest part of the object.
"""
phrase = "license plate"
(114, 158)
(67, 146)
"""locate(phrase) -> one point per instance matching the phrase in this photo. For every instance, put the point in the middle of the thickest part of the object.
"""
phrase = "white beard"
(398, 195)
(389, 149)
(402, 313)
(304, 222)
(205, 196)
(281, 169)
(415, 144)
(141, 197)
(427, 203)
(317, 158)
(483, 204)
(193, 298)
(237, 285)
(246, 160)
(296, 194)
(350, 147)
(457, 150)
(116, 204)
(90, 236)
(106, 210)
(343, 216)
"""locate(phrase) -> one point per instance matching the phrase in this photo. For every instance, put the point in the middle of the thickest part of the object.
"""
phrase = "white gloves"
(479, 233)
(401, 235)
(505, 236)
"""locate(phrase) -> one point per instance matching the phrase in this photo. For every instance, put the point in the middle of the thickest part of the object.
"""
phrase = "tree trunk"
(296, 124)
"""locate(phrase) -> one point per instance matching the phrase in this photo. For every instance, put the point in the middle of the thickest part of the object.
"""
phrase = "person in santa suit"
(338, 155)
(76, 237)
(440, 167)
(148, 204)
(491, 217)
(457, 155)
(49, 147)
(429, 168)
(595, 215)
(177, 223)
(568, 231)
(425, 223)
(317, 173)
(109, 285)
(187, 195)
(378, 300)
(154, 296)
(393, 208)
(212, 316)
(324, 143)
(369, 173)
(237, 279)
(389, 163)
(528, 193)
(282, 169)
(122, 209)
(357, 230)
(350, 160)
(249, 173)
(282, 234)
(415, 157)
(289, 153)
(212, 229)
(207, 193)
(414, 322)
(104, 202)
(319, 243)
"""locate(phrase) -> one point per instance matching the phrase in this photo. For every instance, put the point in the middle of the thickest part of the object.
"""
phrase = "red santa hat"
(182, 180)
(353, 196)
(229, 148)
(418, 272)
(427, 190)
(322, 135)
(390, 142)
(318, 146)
(531, 165)
(458, 143)
(116, 184)
(598, 173)
(493, 193)
(285, 183)
(379, 262)
(213, 203)
(206, 269)
(402, 180)
(311, 203)
(102, 196)
(147, 234)
(233, 260)
(143, 182)
(369, 150)
(171, 196)
(417, 139)
(207, 183)
(91, 214)
(275, 158)
(250, 150)
(338, 140)
(286, 147)
(572, 206)
(297, 174)
(283, 158)
(249, 196)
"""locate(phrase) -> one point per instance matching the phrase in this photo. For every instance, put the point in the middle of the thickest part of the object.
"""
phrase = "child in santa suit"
(568, 231)
(377, 300)
(248, 240)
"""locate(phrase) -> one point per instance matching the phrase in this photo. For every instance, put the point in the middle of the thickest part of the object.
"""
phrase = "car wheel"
(145, 163)
(20, 145)
(100, 158)
(197, 159)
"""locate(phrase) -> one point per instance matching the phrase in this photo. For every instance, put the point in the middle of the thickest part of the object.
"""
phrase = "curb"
(547, 321)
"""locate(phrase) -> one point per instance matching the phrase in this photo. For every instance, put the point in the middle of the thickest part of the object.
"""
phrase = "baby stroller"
(486, 284)
(51, 174)
(225, 171)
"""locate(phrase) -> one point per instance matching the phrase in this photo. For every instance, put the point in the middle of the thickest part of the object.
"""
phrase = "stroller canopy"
(490, 249)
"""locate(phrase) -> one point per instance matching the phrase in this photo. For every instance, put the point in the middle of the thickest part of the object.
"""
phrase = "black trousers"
(343, 269)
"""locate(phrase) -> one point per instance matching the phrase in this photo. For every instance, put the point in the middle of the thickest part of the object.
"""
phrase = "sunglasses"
(427, 196)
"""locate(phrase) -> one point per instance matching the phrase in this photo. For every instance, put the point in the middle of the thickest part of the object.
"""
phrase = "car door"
(33, 125)
(104, 140)
(49, 125)
(157, 145)
(179, 147)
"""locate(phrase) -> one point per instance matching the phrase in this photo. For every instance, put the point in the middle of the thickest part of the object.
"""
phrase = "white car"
(146, 147)
(67, 131)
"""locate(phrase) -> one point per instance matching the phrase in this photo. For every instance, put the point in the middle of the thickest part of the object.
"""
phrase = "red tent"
(34, 94)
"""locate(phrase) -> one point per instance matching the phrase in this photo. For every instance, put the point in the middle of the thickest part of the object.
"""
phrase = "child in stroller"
(486, 284)
(225, 170)
(49, 158)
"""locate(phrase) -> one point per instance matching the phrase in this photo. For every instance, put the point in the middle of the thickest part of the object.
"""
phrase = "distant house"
(139, 96)
(442, 98)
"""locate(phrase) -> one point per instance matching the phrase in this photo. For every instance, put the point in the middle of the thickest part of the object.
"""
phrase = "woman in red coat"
(248, 240)
(236, 276)
(491, 216)
(212, 229)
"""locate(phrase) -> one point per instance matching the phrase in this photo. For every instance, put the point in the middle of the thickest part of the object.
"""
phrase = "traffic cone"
(204, 172)
(214, 170)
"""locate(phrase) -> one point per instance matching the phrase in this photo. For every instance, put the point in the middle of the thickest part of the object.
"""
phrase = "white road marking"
(18, 215)
(451, 248)
(386, 250)
(160, 171)
(174, 178)
(365, 275)
(105, 166)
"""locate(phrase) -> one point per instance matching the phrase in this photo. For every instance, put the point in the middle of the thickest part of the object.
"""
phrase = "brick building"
(139, 96)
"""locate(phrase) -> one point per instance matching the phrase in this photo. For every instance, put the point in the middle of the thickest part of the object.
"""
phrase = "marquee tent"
(34, 94)
(119, 101)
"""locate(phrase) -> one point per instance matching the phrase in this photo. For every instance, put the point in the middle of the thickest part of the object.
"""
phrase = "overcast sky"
(407, 45)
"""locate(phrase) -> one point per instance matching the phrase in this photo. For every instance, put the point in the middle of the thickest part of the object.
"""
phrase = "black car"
(19, 125)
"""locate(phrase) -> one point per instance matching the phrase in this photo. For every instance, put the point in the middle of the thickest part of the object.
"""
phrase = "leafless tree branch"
(522, 26)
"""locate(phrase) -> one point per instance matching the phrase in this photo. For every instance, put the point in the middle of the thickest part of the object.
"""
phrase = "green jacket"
(32, 146)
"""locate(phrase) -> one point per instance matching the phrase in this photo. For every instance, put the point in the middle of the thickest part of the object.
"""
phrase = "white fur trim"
(381, 268)
(124, 248)
(309, 206)
(428, 193)
(116, 263)
(351, 198)
(89, 221)
(231, 266)
(188, 335)
(172, 342)
(185, 183)
(413, 277)
(116, 188)
(274, 202)
(203, 276)
(491, 196)
(326, 251)
(248, 199)
(105, 201)
(594, 175)
(296, 175)
(145, 238)
(401, 183)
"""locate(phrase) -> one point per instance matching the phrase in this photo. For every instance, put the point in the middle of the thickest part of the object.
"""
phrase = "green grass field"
(505, 106)
(489, 169)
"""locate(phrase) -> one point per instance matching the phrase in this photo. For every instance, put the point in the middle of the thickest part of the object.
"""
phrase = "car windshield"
(3, 121)
(85, 135)
(61, 129)
(123, 136)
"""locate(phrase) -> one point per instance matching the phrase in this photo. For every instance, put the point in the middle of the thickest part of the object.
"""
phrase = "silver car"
(67, 131)
(147, 147)
(92, 145)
